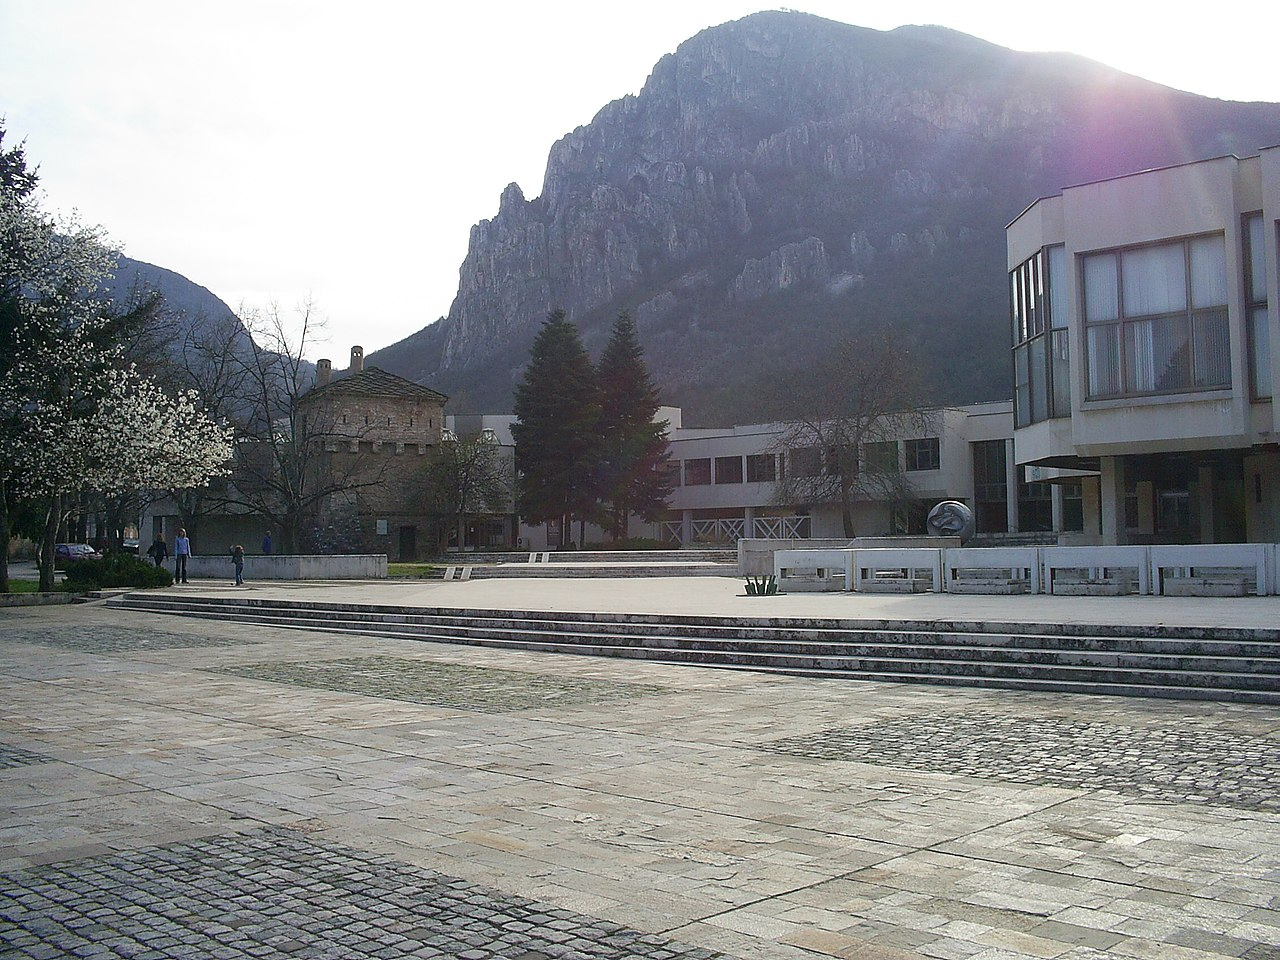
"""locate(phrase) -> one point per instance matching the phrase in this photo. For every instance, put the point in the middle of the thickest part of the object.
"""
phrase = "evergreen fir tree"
(633, 478)
(556, 431)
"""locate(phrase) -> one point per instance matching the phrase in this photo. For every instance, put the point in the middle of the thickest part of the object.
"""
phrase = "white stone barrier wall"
(868, 563)
(1184, 559)
(1152, 566)
(368, 566)
(1020, 562)
(1098, 561)
(789, 564)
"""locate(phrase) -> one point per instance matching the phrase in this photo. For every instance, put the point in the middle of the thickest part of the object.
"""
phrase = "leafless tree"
(292, 457)
(466, 476)
(865, 392)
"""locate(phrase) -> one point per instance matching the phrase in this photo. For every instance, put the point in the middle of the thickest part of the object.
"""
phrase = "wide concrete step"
(578, 557)
(1121, 661)
(560, 571)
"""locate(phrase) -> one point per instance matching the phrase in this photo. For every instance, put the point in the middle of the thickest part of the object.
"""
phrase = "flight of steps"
(1153, 661)
(592, 563)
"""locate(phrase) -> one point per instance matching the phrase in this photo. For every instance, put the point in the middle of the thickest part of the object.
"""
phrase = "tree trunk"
(52, 519)
(4, 538)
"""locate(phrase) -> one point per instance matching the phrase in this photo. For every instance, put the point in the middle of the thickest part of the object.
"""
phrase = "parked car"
(65, 553)
(129, 545)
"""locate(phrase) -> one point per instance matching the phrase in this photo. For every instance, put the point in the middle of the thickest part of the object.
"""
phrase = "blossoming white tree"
(70, 417)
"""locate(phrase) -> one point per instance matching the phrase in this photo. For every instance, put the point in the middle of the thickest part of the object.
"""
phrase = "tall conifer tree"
(557, 426)
(633, 478)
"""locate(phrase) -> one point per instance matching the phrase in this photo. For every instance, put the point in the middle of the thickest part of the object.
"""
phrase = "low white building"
(1145, 335)
(725, 484)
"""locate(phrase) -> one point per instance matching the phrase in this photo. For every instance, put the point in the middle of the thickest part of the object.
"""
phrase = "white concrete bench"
(871, 566)
(1192, 561)
(1021, 564)
(1099, 562)
(813, 569)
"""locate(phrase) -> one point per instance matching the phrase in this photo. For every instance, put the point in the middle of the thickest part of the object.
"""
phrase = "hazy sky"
(275, 151)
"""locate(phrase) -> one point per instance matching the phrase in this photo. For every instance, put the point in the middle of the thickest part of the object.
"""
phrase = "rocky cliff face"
(783, 179)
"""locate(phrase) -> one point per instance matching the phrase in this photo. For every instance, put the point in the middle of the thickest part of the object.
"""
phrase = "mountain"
(784, 179)
(182, 297)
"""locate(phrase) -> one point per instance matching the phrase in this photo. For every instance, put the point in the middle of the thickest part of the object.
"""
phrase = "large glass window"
(923, 454)
(806, 462)
(881, 456)
(990, 487)
(761, 468)
(1041, 357)
(697, 473)
(728, 469)
(1156, 318)
(1256, 289)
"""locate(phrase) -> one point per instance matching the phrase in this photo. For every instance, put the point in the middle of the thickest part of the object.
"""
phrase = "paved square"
(277, 894)
(204, 789)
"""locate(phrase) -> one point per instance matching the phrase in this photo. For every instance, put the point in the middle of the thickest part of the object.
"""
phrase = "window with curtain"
(1156, 318)
(1041, 358)
(1255, 265)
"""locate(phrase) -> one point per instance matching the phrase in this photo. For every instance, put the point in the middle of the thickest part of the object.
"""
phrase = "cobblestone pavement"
(109, 640)
(14, 757)
(276, 894)
(240, 791)
(444, 684)
(1189, 763)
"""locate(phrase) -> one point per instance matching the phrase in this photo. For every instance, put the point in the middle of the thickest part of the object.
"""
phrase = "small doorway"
(408, 544)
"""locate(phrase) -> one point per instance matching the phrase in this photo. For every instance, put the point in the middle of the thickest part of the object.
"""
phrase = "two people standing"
(159, 552)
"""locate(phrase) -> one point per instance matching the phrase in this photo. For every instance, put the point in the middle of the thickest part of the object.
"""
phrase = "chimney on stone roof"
(357, 359)
(324, 372)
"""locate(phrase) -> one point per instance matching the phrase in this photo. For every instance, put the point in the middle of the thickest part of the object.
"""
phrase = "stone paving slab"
(669, 810)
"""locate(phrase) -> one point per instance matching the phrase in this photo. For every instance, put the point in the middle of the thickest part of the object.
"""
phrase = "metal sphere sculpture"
(951, 518)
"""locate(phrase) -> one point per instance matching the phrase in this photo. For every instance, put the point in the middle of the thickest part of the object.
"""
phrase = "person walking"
(158, 551)
(237, 557)
(266, 544)
(181, 553)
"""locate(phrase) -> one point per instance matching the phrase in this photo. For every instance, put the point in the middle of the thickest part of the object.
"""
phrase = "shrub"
(20, 548)
(116, 570)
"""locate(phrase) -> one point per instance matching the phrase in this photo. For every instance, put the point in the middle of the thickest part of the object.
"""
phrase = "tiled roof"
(375, 382)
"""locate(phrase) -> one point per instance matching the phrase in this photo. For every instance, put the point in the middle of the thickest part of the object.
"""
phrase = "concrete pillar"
(1055, 491)
(1091, 507)
(1011, 473)
(1146, 507)
(1112, 495)
(1205, 499)
(749, 523)
(686, 527)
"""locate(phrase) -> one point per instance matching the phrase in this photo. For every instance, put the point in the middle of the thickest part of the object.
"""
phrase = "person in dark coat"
(158, 551)
(237, 557)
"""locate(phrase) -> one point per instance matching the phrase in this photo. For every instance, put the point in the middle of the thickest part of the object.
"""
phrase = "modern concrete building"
(1144, 330)
(727, 482)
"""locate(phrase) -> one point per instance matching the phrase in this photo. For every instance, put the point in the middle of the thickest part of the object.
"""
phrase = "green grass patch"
(24, 586)
(420, 571)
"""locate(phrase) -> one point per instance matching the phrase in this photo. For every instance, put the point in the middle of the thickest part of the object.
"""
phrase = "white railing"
(1098, 562)
(717, 531)
(1254, 565)
(1253, 559)
(902, 561)
(813, 565)
(781, 528)
(1020, 563)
